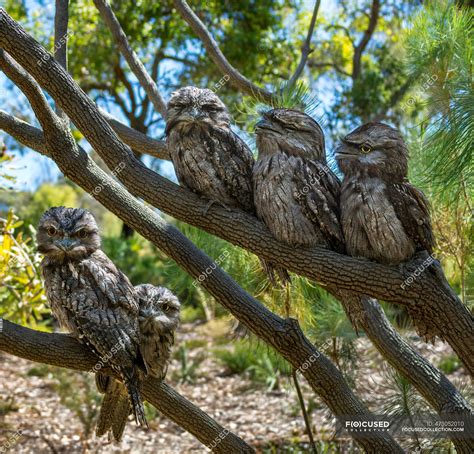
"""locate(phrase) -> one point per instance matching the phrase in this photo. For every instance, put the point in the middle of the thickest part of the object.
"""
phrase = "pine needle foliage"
(296, 96)
(440, 44)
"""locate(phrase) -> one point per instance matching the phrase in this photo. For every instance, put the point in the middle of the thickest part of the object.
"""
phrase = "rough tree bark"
(284, 335)
(443, 397)
(440, 304)
(434, 386)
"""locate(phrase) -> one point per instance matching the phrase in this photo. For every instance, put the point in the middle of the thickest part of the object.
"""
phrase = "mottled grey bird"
(158, 319)
(208, 157)
(295, 193)
(90, 297)
(384, 217)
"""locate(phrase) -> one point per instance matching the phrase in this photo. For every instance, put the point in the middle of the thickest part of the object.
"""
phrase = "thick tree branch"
(61, 19)
(33, 137)
(23, 132)
(283, 335)
(359, 49)
(154, 75)
(438, 391)
(65, 351)
(438, 301)
(27, 84)
(306, 49)
(136, 140)
(131, 57)
(216, 55)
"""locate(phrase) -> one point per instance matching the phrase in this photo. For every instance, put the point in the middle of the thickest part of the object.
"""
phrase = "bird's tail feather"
(121, 416)
(115, 392)
(136, 403)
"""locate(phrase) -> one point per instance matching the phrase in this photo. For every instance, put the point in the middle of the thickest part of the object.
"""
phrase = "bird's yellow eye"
(51, 231)
(165, 307)
(365, 149)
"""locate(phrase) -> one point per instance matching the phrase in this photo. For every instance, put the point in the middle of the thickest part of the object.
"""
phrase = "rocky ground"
(32, 404)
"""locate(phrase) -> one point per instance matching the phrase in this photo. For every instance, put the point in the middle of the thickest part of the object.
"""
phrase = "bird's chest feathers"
(275, 201)
(371, 225)
(274, 171)
(71, 286)
(60, 280)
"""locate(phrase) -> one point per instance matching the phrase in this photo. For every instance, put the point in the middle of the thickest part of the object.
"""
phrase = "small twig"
(294, 375)
(305, 413)
(306, 49)
(133, 61)
(61, 19)
(216, 55)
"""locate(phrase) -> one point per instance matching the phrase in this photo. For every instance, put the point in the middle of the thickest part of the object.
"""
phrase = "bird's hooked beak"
(264, 124)
(345, 150)
(194, 113)
(191, 115)
(66, 244)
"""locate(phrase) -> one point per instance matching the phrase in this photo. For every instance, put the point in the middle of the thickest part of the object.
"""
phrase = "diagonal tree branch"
(359, 49)
(284, 335)
(434, 386)
(33, 138)
(65, 351)
(237, 79)
(136, 140)
(437, 300)
(23, 132)
(25, 82)
(133, 61)
(306, 49)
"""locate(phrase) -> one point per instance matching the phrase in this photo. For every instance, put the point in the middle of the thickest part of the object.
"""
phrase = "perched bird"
(295, 193)
(90, 297)
(384, 217)
(208, 157)
(158, 319)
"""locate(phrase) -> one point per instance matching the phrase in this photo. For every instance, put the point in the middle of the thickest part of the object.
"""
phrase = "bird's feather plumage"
(208, 157)
(90, 297)
(295, 192)
(384, 217)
